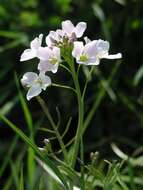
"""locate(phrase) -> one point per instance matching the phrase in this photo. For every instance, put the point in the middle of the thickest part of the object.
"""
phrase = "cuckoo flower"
(36, 83)
(32, 52)
(49, 59)
(85, 54)
(92, 52)
(72, 31)
(102, 50)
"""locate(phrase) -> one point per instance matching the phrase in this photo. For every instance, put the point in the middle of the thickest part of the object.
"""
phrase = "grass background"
(119, 112)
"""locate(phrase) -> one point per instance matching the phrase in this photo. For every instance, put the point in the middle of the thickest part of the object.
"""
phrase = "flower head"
(68, 33)
(49, 59)
(85, 54)
(36, 83)
(92, 52)
(32, 52)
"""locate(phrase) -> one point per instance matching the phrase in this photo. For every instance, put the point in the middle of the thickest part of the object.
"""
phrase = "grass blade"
(28, 141)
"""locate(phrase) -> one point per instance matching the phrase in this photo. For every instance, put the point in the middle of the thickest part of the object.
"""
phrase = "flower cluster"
(87, 53)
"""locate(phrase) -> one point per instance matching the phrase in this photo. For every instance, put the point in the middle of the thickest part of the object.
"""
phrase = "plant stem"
(86, 82)
(70, 61)
(63, 86)
(82, 182)
(46, 111)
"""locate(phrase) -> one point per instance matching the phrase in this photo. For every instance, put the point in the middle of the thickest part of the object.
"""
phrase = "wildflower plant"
(65, 48)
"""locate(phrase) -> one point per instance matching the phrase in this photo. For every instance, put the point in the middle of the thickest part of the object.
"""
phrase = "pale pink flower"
(71, 30)
(36, 83)
(92, 52)
(49, 59)
(32, 51)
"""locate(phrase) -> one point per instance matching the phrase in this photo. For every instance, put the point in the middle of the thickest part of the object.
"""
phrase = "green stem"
(46, 111)
(86, 82)
(63, 86)
(70, 61)
(82, 167)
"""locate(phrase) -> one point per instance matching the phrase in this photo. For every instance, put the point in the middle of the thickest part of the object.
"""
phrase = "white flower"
(49, 59)
(72, 30)
(102, 50)
(36, 83)
(85, 54)
(32, 52)
(92, 52)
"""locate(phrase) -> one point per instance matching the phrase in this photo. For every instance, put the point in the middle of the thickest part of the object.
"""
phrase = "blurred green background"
(119, 110)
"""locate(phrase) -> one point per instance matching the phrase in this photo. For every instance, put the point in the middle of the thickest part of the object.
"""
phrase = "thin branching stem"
(86, 82)
(46, 111)
(64, 67)
(63, 86)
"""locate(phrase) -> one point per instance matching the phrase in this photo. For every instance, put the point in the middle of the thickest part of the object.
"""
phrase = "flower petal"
(102, 48)
(114, 56)
(28, 54)
(43, 53)
(93, 61)
(35, 90)
(28, 79)
(87, 40)
(45, 66)
(104, 45)
(46, 81)
(60, 33)
(36, 43)
(55, 68)
(80, 28)
(48, 41)
(67, 26)
(50, 38)
(56, 52)
(90, 48)
(78, 49)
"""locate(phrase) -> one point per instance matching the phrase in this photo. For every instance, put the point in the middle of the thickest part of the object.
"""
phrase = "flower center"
(53, 61)
(83, 58)
(38, 81)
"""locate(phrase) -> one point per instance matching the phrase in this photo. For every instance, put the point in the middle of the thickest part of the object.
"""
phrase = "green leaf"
(12, 34)
(7, 107)
(98, 12)
(21, 185)
(28, 118)
(29, 142)
(121, 2)
(14, 171)
(7, 156)
(138, 76)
